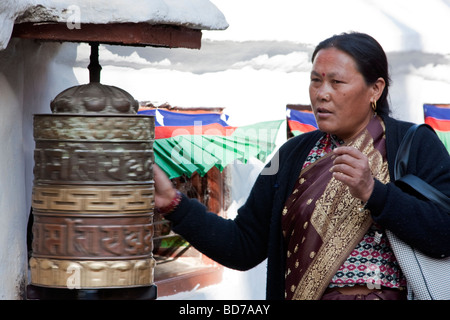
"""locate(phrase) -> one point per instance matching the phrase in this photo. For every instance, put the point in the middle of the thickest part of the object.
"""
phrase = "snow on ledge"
(196, 14)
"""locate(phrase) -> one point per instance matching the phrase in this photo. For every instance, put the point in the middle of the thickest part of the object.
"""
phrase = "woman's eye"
(336, 81)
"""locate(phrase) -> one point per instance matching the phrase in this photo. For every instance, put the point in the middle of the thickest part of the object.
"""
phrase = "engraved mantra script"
(99, 165)
(91, 238)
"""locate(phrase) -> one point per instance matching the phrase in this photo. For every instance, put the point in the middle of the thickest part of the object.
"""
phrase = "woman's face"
(340, 97)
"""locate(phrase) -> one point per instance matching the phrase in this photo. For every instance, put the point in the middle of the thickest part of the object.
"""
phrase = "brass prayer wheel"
(93, 192)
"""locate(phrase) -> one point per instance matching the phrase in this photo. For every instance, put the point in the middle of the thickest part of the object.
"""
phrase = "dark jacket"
(255, 233)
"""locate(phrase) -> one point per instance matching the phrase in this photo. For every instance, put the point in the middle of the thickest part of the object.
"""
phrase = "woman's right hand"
(164, 189)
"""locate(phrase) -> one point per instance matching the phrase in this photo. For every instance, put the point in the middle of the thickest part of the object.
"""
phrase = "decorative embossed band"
(93, 128)
(93, 199)
(73, 274)
(91, 237)
(93, 163)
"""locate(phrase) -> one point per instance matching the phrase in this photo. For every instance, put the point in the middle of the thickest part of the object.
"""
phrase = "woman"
(321, 218)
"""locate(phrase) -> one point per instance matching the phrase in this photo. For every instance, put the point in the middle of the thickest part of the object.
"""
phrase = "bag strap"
(402, 157)
(430, 192)
(401, 163)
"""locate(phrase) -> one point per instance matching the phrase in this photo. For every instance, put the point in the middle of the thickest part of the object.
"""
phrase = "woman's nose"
(323, 94)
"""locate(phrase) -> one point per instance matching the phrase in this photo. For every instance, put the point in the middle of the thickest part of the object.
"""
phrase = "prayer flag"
(438, 117)
(300, 121)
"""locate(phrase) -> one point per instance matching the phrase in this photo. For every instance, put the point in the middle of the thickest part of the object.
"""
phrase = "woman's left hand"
(351, 167)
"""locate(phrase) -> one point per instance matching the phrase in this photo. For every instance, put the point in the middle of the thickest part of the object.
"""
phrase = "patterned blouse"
(372, 262)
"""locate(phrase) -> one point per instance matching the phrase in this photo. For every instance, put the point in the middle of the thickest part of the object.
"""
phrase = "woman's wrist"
(172, 205)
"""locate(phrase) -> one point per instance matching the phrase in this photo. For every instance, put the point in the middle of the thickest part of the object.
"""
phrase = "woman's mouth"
(323, 112)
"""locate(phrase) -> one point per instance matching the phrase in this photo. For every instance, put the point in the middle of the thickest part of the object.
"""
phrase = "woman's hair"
(370, 59)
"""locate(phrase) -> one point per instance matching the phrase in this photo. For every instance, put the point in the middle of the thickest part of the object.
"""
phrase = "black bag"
(401, 163)
(427, 278)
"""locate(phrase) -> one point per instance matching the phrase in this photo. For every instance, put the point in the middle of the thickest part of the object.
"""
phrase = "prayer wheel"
(93, 192)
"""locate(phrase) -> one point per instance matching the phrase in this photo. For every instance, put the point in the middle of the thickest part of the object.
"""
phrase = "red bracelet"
(172, 205)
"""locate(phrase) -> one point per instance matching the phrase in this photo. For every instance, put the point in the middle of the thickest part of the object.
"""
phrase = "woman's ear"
(378, 88)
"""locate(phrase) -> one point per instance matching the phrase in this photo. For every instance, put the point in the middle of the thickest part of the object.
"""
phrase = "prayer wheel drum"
(93, 192)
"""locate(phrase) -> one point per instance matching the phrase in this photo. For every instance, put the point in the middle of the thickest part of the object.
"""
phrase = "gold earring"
(373, 104)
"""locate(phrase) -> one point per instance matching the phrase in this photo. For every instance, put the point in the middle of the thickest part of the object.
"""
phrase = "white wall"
(31, 74)
(12, 182)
